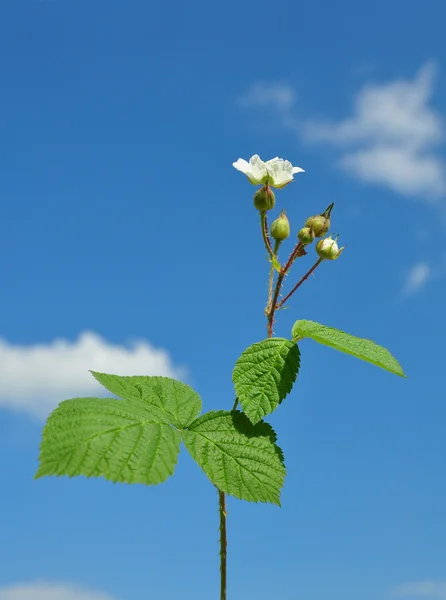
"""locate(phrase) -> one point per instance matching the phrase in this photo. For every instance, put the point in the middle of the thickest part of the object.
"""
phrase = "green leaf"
(135, 440)
(264, 374)
(179, 403)
(107, 438)
(359, 347)
(239, 458)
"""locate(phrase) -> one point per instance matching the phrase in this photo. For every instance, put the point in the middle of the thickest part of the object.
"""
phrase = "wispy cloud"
(35, 378)
(393, 137)
(417, 277)
(278, 96)
(436, 590)
(48, 591)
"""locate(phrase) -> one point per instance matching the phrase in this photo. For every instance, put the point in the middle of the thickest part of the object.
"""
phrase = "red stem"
(313, 268)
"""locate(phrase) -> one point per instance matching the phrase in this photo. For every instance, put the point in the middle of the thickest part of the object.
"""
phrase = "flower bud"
(328, 248)
(264, 199)
(320, 223)
(280, 228)
(306, 235)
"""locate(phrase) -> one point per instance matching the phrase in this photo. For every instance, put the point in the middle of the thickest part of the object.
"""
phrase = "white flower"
(276, 172)
(328, 248)
(255, 170)
(281, 172)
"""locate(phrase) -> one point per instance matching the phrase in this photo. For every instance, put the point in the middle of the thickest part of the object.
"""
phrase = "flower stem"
(223, 544)
(271, 276)
(271, 307)
(313, 268)
(265, 236)
(299, 250)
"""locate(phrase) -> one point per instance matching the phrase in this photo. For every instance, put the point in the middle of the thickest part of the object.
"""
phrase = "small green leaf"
(178, 401)
(361, 348)
(239, 458)
(135, 440)
(264, 374)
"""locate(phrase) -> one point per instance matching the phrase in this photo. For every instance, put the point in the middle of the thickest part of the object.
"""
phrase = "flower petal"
(241, 165)
(297, 170)
(280, 172)
(258, 170)
(255, 169)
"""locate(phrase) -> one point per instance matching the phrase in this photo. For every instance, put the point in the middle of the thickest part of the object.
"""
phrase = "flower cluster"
(277, 173)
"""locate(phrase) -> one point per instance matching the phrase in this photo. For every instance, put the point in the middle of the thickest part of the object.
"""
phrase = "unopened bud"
(320, 223)
(264, 199)
(306, 235)
(280, 228)
(328, 248)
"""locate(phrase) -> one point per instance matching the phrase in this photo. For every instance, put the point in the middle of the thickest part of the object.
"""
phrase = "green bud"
(328, 248)
(280, 228)
(320, 223)
(306, 235)
(264, 199)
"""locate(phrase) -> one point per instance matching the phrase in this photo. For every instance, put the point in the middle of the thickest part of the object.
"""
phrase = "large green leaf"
(179, 402)
(359, 347)
(240, 458)
(135, 440)
(264, 374)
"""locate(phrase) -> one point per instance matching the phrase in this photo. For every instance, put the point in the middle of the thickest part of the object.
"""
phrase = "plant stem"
(271, 276)
(299, 250)
(272, 307)
(313, 268)
(272, 300)
(265, 236)
(223, 544)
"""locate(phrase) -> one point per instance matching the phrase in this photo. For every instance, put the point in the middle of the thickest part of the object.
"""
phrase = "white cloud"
(436, 590)
(48, 591)
(279, 96)
(35, 378)
(399, 169)
(417, 278)
(392, 138)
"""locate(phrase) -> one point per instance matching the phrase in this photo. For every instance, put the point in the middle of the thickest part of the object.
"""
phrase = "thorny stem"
(313, 268)
(299, 250)
(223, 536)
(265, 236)
(221, 495)
(223, 544)
(272, 306)
(271, 276)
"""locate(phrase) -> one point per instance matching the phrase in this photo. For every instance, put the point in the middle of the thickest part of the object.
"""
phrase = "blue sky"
(129, 244)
